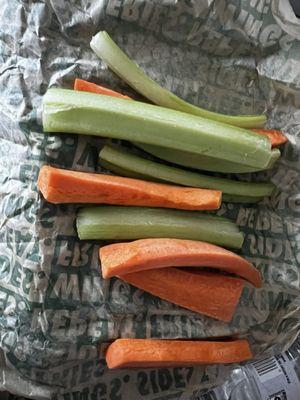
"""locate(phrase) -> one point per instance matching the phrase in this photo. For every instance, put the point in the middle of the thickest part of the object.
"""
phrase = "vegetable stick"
(203, 162)
(233, 198)
(120, 63)
(128, 223)
(208, 293)
(64, 186)
(85, 86)
(88, 113)
(149, 353)
(144, 254)
(148, 169)
(276, 137)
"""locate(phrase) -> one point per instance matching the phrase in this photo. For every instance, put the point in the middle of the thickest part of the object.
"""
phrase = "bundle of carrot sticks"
(165, 247)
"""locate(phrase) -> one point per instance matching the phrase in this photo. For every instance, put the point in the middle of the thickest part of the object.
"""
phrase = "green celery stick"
(128, 223)
(225, 197)
(88, 113)
(203, 162)
(124, 67)
(124, 172)
(145, 169)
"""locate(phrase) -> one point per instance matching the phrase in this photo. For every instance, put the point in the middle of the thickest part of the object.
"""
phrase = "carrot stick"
(208, 293)
(146, 353)
(144, 254)
(64, 186)
(276, 137)
(84, 86)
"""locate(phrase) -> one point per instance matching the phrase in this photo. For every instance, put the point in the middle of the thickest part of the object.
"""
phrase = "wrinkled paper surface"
(56, 312)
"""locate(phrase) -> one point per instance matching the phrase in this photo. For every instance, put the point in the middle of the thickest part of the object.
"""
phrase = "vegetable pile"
(175, 254)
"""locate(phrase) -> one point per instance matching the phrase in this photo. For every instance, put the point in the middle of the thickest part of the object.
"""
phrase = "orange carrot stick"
(85, 86)
(144, 254)
(276, 137)
(64, 186)
(207, 293)
(146, 353)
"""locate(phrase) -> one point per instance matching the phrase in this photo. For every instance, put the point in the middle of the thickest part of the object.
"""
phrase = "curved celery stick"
(147, 168)
(231, 198)
(95, 114)
(203, 162)
(126, 223)
(120, 63)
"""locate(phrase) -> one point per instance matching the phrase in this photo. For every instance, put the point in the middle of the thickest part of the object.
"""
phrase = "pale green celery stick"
(123, 172)
(203, 162)
(94, 114)
(124, 67)
(128, 223)
(144, 169)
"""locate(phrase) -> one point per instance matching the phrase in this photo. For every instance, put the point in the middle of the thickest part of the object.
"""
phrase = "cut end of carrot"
(276, 137)
(148, 353)
(44, 184)
(85, 86)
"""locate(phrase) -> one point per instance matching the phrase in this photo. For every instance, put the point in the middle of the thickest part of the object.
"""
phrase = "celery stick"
(124, 172)
(225, 197)
(124, 67)
(203, 162)
(128, 223)
(146, 168)
(88, 113)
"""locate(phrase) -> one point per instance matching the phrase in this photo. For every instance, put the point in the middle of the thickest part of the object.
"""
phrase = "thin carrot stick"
(144, 254)
(64, 186)
(146, 353)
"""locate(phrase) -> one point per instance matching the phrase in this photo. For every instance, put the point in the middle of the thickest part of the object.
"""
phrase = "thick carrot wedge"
(144, 254)
(64, 186)
(208, 293)
(276, 137)
(85, 86)
(144, 353)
